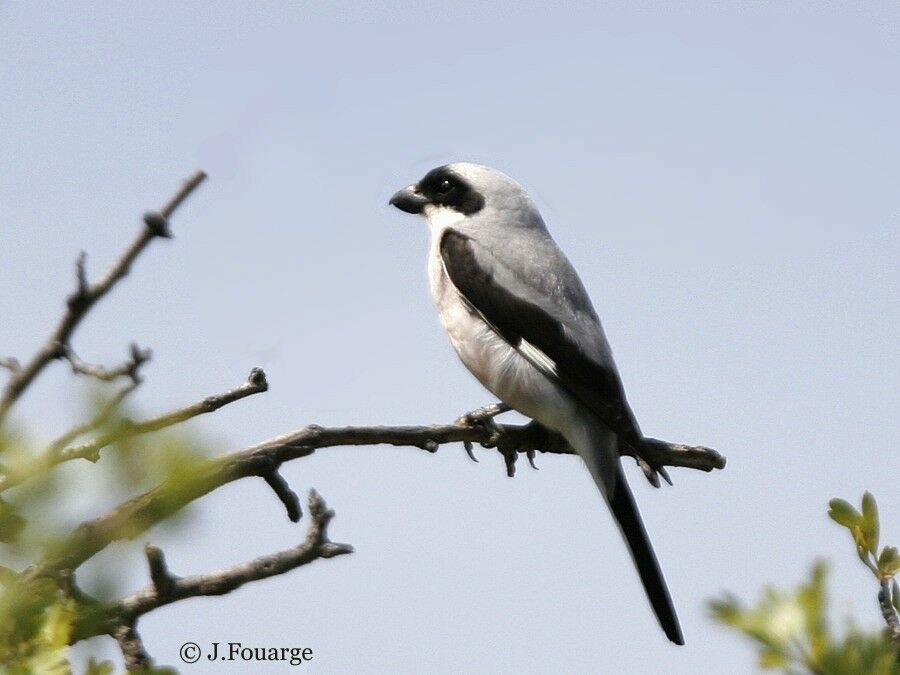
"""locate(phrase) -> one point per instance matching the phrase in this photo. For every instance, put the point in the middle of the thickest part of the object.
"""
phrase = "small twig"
(106, 618)
(665, 454)
(256, 383)
(72, 590)
(10, 363)
(887, 610)
(102, 417)
(132, 369)
(129, 368)
(283, 491)
(162, 579)
(124, 429)
(86, 295)
(136, 657)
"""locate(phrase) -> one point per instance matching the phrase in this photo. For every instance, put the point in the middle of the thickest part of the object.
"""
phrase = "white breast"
(498, 366)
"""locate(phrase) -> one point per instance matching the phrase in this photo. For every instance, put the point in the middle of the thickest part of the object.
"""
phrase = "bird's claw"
(511, 447)
(470, 451)
(510, 455)
(483, 417)
(651, 473)
(652, 470)
(507, 445)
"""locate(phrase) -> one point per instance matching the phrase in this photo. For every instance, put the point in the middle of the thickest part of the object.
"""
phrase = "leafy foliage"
(791, 629)
(36, 616)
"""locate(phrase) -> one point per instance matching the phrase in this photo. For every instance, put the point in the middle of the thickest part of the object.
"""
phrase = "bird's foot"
(483, 414)
(483, 417)
(533, 435)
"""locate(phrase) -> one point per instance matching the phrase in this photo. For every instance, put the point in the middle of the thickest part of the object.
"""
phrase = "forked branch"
(86, 295)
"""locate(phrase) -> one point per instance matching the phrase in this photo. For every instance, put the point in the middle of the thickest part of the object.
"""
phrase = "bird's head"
(463, 194)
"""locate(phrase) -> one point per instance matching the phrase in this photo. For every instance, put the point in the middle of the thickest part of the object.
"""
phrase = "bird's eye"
(444, 187)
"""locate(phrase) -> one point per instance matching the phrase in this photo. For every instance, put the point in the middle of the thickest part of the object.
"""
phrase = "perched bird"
(521, 321)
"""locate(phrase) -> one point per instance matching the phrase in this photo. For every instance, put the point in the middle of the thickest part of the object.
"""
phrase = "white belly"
(496, 364)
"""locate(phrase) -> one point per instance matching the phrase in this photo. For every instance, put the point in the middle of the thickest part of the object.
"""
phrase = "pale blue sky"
(723, 175)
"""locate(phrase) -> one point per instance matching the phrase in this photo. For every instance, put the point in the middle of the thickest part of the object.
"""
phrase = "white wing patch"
(537, 357)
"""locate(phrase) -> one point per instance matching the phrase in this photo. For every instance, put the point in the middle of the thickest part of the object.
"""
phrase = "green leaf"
(841, 512)
(889, 561)
(101, 668)
(870, 522)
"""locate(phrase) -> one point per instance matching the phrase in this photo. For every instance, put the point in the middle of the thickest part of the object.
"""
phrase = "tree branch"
(87, 295)
(132, 646)
(256, 383)
(165, 588)
(102, 417)
(141, 512)
(885, 600)
(124, 429)
(129, 368)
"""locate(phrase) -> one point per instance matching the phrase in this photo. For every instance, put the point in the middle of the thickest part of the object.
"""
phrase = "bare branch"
(141, 512)
(136, 657)
(70, 587)
(159, 571)
(129, 368)
(166, 589)
(58, 453)
(87, 295)
(10, 363)
(283, 491)
(101, 418)
(887, 610)
(256, 383)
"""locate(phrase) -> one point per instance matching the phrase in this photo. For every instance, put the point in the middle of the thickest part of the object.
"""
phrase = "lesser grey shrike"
(521, 321)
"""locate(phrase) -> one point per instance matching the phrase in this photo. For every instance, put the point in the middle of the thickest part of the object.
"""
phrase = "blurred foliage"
(791, 629)
(37, 617)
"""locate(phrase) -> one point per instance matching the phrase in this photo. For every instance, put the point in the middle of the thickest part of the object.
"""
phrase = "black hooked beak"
(409, 200)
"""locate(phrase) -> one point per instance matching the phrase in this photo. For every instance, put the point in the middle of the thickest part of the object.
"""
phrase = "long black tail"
(629, 520)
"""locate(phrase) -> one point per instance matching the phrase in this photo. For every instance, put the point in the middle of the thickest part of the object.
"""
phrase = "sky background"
(724, 177)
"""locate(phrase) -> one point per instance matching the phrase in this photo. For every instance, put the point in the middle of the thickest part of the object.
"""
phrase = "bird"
(521, 321)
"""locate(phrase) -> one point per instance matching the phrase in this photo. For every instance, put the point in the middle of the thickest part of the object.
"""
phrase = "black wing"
(524, 324)
(516, 318)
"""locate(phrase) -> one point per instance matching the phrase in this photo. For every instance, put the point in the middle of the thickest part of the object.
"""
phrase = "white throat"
(441, 217)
